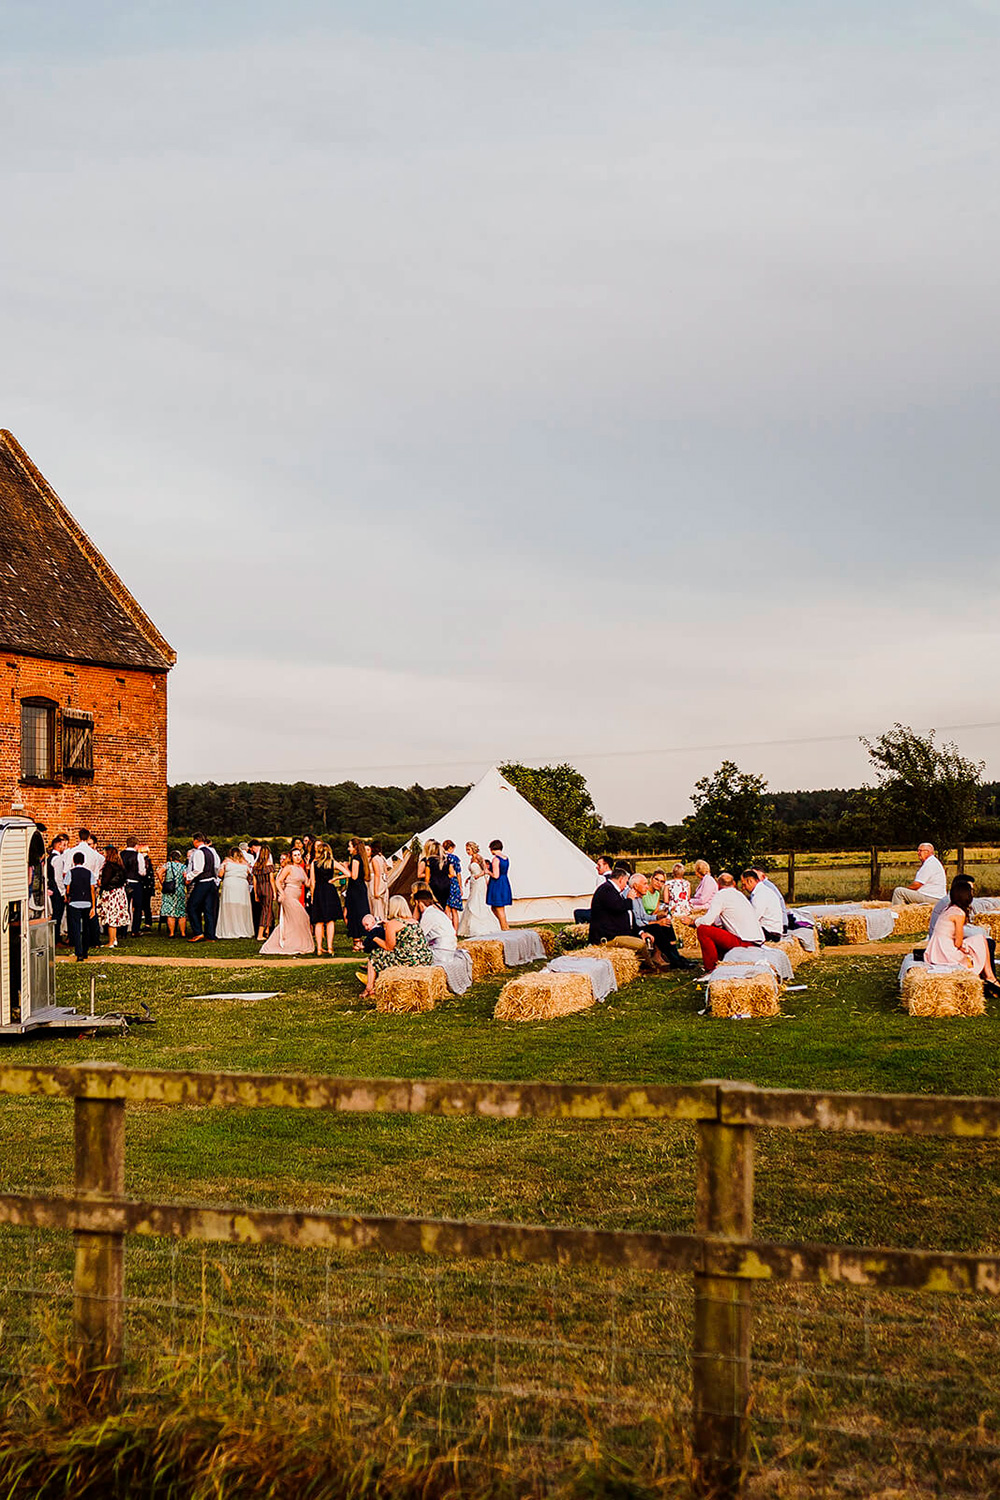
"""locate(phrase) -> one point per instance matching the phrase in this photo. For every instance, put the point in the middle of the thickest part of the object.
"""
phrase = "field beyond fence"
(526, 1347)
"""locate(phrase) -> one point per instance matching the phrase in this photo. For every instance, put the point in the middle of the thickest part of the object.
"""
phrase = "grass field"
(415, 1348)
(844, 876)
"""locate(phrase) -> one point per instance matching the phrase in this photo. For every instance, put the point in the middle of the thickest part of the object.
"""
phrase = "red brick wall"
(128, 793)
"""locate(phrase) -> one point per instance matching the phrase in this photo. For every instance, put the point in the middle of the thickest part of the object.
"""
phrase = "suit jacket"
(130, 860)
(610, 914)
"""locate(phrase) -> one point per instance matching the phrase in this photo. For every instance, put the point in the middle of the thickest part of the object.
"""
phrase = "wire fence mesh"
(854, 1391)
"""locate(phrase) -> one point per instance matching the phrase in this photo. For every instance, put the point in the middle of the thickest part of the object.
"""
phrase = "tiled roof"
(58, 596)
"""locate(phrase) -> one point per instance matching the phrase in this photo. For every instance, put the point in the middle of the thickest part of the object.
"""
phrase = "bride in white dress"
(477, 919)
(235, 911)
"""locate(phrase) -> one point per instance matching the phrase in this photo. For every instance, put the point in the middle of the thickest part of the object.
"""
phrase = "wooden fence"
(721, 1256)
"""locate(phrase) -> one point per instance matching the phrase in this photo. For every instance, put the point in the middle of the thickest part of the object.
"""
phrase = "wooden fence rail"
(722, 1256)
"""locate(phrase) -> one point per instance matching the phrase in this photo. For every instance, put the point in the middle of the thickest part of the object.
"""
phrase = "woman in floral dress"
(403, 946)
(173, 893)
(453, 868)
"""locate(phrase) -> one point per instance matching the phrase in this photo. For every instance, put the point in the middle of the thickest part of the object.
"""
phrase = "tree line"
(920, 790)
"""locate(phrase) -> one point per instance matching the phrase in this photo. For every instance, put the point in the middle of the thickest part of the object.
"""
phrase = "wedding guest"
(653, 898)
(113, 907)
(706, 888)
(55, 880)
(203, 889)
(173, 897)
(325, 905)
(292, 935)
(928, 884)
(766, 904)
(477, 919)
(134, 865)
(955, 942)
(453, 869)
(262, 891)
(765, 879)
(433, 871)
(436, 927)
(357, 871)
(81, 905)
(729, 922)
(664, 951)
(401, 943)
(378, 884)
(677, 891)
(235, 910)
(498, 892)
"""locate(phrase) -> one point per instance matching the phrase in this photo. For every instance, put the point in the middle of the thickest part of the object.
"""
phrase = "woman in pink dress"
(293, 933)
(954, 943)
(707, 886)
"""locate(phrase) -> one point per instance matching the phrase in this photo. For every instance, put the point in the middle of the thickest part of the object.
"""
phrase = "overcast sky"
(455, 382)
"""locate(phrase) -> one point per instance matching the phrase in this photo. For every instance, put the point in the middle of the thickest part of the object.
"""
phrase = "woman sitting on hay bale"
(955, 943)
(395, 943)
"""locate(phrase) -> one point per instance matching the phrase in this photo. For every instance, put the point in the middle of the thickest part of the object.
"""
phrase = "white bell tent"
(549, 875)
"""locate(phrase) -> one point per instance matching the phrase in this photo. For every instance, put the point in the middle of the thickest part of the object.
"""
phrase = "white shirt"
(931, 878)
(92, 858)
(766, 902)
(438, 931)
(729, 908)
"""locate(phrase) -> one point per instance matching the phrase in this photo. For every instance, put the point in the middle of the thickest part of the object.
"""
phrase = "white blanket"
(772, 958)
(457, 966)
(745, 970)
(521, 945)
(599, 971)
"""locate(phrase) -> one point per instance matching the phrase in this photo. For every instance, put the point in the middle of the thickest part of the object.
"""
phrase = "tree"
(924, 792)
(731, 822)
(560, 794)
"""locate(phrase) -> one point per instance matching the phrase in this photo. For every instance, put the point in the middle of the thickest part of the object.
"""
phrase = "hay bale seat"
(547, 938)
(575, 934)
(544, 996)
(745, 995)
(624, 961)
(852, 926)
(487, 957)
(957, 994)
(410, 990)
(989, 921)
(686, 934)
(912, 920)
(793, 949)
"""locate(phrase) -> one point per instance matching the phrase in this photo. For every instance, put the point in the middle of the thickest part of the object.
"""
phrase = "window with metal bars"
(77, 743)
(38, 739)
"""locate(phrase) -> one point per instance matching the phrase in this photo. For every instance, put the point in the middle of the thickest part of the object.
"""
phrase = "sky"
(463, 382)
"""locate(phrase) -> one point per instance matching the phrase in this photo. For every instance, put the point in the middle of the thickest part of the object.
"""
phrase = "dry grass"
(544, 997)
(958, 994)
(487, 957)
(754, 995)
(411, 991)
(912, 920)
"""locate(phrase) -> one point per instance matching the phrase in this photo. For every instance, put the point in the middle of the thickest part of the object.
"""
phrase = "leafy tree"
(923, 791)
(731, 822)
(560, 794)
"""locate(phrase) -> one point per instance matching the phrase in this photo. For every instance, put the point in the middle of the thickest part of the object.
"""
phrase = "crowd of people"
(291, 904)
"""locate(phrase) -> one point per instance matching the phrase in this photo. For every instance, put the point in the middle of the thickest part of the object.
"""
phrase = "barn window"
(77, 743)
(38, 739)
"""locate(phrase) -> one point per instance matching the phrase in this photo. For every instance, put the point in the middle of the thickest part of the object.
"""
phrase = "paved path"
(850, 950)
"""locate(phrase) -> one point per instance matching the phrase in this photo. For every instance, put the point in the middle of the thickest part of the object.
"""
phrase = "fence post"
(790, 897)
(721, 1350)
(875, 880)
(960, 852)
(99, 1264)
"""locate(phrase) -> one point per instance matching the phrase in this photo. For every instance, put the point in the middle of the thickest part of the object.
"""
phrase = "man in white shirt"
(765, 879)
(766, 902)
(435, 926)
(729, 922)
(92, 857)
(929, 884)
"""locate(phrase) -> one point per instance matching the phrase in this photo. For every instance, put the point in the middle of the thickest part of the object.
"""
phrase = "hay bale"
(547, 938)
(927, 994)
(624, 961)
(851, 926)
(544, 996)
(487, 957)
(410, 990)
(989, 921)
(876, 905)
(575, 935)
(686, 934)
(912, 920)
(793, 949)
(745, 995)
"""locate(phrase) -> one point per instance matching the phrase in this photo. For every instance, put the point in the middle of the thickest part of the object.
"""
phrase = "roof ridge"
(94, 556)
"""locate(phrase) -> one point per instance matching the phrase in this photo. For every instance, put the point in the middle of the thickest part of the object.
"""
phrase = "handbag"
(169, 887)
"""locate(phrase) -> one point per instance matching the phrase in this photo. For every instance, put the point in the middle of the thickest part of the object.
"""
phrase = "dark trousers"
(582, 914)
(255, 907)
(771, 937)
(203, 908)
(133, 890)
(665, 942)
(57, 902)
(147, 903)
(79, 929)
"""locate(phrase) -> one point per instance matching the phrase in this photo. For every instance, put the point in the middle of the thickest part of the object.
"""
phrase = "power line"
(574, 755)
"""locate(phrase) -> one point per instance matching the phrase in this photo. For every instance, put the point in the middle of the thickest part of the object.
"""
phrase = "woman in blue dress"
(453, 866)
(498, 892)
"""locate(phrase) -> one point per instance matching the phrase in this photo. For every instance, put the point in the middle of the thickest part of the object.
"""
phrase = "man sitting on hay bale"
(730, 922)
(766, 902)
(659, 932)
(928, 885)
(612, 920)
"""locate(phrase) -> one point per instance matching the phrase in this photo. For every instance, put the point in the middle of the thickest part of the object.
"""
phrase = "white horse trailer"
(28, 941)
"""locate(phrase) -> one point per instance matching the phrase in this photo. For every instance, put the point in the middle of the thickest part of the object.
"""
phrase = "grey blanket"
(457, 966)
(879, 922)
(599, 970)
(771, 957)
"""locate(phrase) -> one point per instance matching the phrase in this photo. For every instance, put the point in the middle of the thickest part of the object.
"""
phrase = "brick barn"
(83, 675)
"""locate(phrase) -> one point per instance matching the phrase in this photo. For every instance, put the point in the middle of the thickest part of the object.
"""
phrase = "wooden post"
(875, 877)
(790, 895)
(721, 1351)
(99, 1268)
(960, 854)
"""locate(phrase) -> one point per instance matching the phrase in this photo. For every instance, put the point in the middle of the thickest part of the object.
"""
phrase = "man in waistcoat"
(203, 889)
